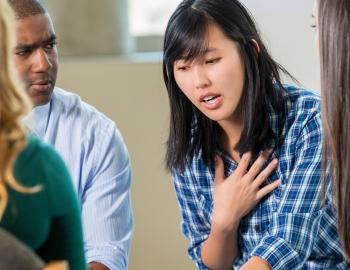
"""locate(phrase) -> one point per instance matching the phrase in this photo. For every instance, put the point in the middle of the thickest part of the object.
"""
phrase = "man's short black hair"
(27, 8)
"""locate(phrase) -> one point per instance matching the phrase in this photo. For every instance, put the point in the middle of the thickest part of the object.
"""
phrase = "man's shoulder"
(71, 104)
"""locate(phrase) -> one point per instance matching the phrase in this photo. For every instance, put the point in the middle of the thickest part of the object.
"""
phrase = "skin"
(36, 61)
(315, 25)
(97, 266)
(220, 72)
(35, 56)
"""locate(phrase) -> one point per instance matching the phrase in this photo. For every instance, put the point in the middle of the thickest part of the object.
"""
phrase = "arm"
(294, 227)
(97, 266)
(234, 197)
(195, 225)
(57, 265)
(221, 248)
(256, 263)
(106, 206)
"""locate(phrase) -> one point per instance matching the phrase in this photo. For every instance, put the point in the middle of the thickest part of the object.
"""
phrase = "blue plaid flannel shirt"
(290, 228)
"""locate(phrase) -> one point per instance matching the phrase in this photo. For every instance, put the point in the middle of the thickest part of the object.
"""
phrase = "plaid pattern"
(289, 228)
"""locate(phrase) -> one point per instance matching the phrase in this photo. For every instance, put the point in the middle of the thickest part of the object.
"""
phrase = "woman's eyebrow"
(211, 49)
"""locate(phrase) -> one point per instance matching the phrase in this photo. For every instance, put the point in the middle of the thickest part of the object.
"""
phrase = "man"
(88, 141)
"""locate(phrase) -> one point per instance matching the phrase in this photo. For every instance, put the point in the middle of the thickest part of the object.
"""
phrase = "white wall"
(285, 26)
(133, 95)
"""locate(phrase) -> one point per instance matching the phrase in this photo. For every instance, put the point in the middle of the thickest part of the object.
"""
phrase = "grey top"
(15, 255)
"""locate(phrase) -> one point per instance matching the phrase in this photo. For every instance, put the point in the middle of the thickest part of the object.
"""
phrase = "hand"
(97, 266)
(57, 265)
(236, 196)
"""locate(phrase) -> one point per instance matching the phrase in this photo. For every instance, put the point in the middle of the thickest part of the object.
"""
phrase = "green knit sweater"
(48, 221)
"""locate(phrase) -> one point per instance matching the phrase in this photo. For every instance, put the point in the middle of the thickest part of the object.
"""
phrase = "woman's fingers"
(267, 189)
(244, 163)
(259, 163)
(265, 173)
(219, 170)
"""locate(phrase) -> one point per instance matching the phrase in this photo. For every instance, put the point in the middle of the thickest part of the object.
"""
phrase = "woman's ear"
(255, 44)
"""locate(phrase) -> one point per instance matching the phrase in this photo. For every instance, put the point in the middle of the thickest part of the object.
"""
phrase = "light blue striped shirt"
(96, 155)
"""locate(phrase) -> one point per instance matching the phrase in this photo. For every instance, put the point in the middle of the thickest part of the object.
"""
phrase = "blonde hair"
(14, 104)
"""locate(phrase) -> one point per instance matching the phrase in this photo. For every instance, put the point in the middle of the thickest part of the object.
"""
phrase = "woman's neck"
(231, 133)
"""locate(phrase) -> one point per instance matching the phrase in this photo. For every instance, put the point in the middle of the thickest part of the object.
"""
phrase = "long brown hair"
(334, 36)
(13, 105)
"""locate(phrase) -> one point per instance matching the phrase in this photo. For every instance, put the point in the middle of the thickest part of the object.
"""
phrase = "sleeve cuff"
(111, 257)
(278, 253)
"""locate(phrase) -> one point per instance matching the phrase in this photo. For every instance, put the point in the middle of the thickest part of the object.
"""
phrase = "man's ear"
(255, 44)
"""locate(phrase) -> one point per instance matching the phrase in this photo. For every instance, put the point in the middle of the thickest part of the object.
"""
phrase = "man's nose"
(42, 61)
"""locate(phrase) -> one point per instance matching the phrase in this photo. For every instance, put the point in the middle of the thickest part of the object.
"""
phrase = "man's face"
(35, 56)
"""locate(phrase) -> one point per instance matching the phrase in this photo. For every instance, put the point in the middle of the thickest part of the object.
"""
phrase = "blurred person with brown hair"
(333, 42)
(38, 204)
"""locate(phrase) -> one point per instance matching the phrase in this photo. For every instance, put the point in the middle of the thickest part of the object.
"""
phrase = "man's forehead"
(34, 29)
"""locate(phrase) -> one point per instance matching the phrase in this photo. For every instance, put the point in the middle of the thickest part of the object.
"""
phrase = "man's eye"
(50, 46)
(22, 52)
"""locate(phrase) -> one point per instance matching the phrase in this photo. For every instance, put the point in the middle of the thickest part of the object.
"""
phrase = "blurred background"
(110, 54)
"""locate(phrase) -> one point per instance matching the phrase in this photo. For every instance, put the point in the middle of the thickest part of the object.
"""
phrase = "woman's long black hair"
(186, 37)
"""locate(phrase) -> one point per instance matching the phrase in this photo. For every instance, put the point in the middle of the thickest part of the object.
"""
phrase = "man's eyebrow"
(52, 38)
(24, 47)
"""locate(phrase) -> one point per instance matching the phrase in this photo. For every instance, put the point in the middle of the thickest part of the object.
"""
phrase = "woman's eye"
(212, 61)
(313, 26)
(183, 68)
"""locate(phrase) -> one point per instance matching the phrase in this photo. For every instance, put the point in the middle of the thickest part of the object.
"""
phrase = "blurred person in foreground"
(332, 21)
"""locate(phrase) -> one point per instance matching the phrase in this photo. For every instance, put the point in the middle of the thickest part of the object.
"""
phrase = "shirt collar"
(278, 121)
(37, 120)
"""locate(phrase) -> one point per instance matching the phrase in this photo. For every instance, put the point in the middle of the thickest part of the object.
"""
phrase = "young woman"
(244, 150)
(38, 204)
(333, 20)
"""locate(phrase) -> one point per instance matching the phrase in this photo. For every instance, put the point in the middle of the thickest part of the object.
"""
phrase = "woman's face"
(214, 82)
(315, 25)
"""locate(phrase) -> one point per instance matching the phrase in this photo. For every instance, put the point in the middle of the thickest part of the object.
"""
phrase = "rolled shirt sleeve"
(106, 204)
(195, 214)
